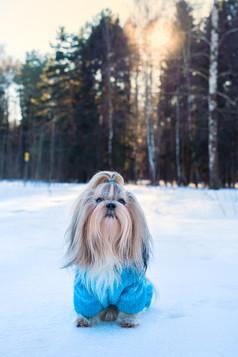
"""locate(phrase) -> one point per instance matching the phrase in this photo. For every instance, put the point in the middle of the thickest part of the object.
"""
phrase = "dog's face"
(109, 224)
(108, 228)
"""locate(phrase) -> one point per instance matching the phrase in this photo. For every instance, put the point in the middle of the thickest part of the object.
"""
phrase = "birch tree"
(177, 132)
(212, 100)
(146, 20)
(149, 119)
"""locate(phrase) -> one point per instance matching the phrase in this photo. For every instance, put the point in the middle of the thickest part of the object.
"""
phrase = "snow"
(195, 269)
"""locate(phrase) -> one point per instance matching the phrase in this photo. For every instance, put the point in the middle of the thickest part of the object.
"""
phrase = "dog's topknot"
(105, 177)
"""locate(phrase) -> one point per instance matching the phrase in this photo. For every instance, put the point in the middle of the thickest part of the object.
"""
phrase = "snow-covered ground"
(195, 269)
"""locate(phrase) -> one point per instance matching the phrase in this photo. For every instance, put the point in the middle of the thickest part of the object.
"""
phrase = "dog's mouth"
(110, 215)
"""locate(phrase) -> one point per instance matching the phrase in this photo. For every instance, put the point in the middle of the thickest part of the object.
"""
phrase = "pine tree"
(110, 55)
(27, 79)
(227, 92)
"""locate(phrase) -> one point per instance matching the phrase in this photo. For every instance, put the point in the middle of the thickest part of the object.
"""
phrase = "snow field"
(194, 267)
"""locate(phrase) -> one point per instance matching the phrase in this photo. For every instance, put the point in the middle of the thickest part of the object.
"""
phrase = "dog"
(110, 245)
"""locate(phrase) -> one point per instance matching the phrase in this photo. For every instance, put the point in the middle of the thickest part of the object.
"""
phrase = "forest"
(154, 99)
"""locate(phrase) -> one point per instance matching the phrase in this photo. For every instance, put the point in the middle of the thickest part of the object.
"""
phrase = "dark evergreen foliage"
(74, 102)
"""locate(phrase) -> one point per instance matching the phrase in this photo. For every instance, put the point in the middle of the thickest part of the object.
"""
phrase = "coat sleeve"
(85, 302)
(136, 296)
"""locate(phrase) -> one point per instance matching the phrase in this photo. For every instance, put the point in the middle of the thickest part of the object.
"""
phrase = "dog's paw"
(82, 322)
(128, 322)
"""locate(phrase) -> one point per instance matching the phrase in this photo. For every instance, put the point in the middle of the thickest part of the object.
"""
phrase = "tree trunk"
(177, 138)
(109, 99)
(149, 123)
(52, 150)
(193, 165)
(38, 171)
(152, 135)
(136, 124)
(212, 100)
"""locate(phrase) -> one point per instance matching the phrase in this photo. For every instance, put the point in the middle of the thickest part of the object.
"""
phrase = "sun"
(159, 36)
(156, 40)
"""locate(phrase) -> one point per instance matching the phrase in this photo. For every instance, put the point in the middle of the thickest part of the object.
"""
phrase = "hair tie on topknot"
(105, 177)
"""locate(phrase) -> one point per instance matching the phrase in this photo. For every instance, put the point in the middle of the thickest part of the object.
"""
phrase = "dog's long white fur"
(101, 245)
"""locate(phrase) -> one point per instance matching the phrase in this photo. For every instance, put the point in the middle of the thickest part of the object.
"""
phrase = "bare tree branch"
(226, 34)
(232, 102)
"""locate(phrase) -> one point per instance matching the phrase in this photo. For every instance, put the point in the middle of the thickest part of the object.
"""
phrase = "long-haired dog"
(110, 245)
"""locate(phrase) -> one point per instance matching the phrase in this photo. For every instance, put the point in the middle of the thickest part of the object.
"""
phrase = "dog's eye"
(122, 201)
(99, 199)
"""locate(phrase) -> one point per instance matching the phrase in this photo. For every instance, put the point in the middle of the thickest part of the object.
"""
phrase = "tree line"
(105, 99)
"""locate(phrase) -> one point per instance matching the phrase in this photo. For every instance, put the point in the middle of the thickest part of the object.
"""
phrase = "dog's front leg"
(128, 320)
(82, 321)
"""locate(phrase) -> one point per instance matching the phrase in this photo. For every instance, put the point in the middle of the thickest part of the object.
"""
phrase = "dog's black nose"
(111, 206)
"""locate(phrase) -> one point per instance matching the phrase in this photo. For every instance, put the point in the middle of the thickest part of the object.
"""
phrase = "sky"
(32, 24)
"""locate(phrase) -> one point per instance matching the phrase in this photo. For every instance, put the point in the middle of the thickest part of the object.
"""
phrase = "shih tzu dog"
(110, 245)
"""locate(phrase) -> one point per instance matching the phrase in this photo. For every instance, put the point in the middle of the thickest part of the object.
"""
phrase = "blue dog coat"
(131, 294)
